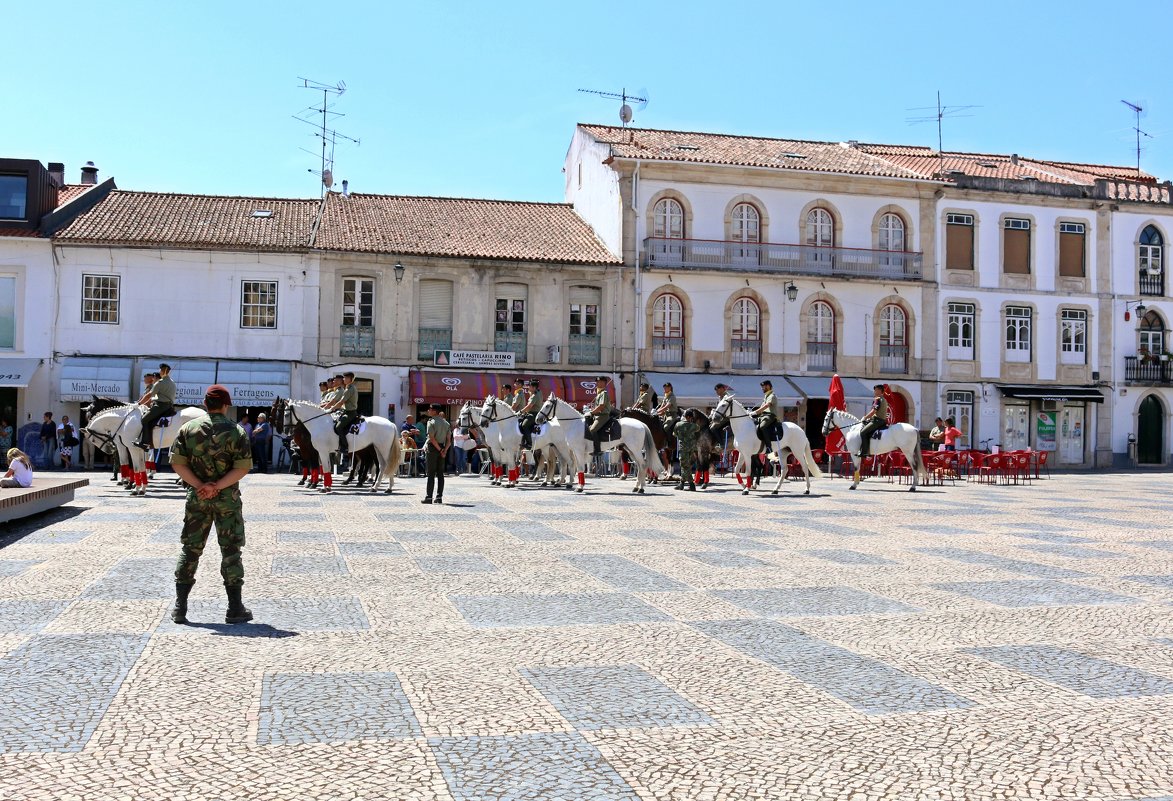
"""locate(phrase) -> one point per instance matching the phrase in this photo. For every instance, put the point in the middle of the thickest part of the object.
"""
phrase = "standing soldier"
(767, 413)
(161, 396)
(602, 412)
(687, 433)
(439, 440)
(211, 454)
(643, 401)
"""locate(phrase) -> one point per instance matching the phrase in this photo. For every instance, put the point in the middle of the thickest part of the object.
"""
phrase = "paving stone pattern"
(963, 642)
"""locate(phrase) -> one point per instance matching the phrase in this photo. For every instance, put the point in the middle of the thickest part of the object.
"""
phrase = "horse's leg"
(785, 467)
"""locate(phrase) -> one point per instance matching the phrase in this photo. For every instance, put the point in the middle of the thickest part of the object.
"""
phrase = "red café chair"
(819, 455)
(1022, 467)
(990, 468)
(934, 466)
(1041, 463)
(897, 465)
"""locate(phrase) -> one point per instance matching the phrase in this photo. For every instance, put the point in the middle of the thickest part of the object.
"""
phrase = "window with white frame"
(99, 299)
(1151, 334)
(667, 331)
(959, 241)
(258, 304)
(511, 300)
(1150, 257)
(668, 219)
(893, 339)
(891, 233)
(746, 224)
(1018, 333)
(584, 311)
(820, 228)
(1073, 336)
(1016, 246)
(961, 331)
(820, 337)
(1072, 249)
(745, 334)
(358, 301)
(959, 406)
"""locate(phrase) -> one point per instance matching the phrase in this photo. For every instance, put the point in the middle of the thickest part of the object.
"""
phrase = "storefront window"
(1015, 427)
(1072, 433)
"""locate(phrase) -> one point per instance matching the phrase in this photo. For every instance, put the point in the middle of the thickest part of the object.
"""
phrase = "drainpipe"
(639, 290)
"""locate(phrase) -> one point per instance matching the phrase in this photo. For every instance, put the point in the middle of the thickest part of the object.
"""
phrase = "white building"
(989, 287)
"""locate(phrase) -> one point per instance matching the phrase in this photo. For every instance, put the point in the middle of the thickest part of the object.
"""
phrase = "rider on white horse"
(602, 412)
(527, 409)
(161, 396)
(875, 420)
(766, 415)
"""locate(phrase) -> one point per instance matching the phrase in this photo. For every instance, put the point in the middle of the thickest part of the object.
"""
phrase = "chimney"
(57, 173)
(345, 188)
(89, 174)
(1014, 159)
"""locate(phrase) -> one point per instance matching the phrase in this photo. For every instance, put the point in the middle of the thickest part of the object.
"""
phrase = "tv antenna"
(1138, 110)
(328, 135)
(940, 113)
(625, 113)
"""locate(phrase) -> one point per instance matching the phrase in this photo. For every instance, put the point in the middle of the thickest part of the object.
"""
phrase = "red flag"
(835, 441)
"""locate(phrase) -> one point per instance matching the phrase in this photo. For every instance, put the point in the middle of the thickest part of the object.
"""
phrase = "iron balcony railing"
(668, 351)
(708, 254)
(747, 353)
(1146, 371)
(1153, 285)
(511, 341)
(893, 358)
(820, 356)
(432, 340)
(586, 349)
(356, 340)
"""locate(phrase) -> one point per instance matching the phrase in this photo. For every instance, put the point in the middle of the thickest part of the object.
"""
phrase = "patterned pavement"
(964, 642)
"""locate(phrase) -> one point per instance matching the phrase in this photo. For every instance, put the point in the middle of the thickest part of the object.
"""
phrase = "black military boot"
(237, 611)
(179, 613)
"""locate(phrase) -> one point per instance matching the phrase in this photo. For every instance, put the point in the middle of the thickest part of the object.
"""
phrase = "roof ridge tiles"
(156, 193)
(454, 199)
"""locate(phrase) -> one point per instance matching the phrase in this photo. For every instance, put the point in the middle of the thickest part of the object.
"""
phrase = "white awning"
(17, 372)
(83, 377)
(820, 387)
(697, 388)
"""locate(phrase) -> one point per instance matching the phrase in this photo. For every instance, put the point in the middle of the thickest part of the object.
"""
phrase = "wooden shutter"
(585, 296)
(435, 304)
(959, 247)
(1016, 251)
(1071, 255)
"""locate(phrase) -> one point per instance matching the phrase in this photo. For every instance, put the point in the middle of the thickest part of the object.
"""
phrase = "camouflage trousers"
(687, 460)
(226, 511)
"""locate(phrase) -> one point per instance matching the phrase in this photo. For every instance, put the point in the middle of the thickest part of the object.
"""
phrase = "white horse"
(748, 444)
(635, 438)
(376, 431)
(121, 426)
(503, 433)
(541, 440)
(898, 436)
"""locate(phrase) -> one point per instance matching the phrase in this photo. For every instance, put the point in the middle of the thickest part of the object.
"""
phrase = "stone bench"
(45, 494)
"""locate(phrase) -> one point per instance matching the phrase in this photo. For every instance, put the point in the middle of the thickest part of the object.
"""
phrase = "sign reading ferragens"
(486, 360)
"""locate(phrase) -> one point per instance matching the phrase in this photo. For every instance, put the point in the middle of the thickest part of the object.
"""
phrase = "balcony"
(1151, 284)
(1142, 371)
(820, 356)
(893, 359)
(432, 340)
(710, 254)
(747, 354)
(668, 351)
(585, 349)
(511, 342)
(357, 340)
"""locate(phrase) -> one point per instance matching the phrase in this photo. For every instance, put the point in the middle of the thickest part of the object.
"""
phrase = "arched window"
(745, 334)
(668, 331)
(820, 337)
(746, 224)
(1151, 334)
(668, 219)
(1151, 262)
(893, 340)
(891, 233)
(820, 228)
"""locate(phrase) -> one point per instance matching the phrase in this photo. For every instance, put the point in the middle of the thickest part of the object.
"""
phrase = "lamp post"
(791, 292)
(399, 270)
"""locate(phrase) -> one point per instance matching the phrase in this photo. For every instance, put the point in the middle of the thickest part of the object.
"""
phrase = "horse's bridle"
(829, 422)
(492, 418)
(726, 401)
(106, 439)
(290, 406)
(543, 413)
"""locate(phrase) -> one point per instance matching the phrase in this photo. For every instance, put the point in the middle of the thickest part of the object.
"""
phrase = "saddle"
(879, 431)
(358, 426)
(771, 433)
(612, 429)
(163, 422)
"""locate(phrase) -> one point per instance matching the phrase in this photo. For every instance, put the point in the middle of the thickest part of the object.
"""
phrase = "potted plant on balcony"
(1143, 356)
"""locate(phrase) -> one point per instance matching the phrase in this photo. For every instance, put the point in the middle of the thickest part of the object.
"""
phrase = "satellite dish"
(327, 179)
(625, 114)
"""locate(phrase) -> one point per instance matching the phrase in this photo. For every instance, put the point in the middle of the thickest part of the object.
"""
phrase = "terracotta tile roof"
(19, 232)
(144, 219)
(883, 160)
(461, 227)
(744, 151)
(70, 191)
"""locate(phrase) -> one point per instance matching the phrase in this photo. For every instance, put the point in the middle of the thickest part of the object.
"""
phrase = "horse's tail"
(921, 470)
(395, 456)
(651, 455)
(808, 459)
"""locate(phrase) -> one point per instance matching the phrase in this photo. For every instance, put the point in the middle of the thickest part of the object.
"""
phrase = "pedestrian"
(460, 449)
(439, 440)
(48, 440)
(687, 433)
(937, 435)
(211, 455)
(20, 469)
(951, 434)
(67, 436)
(262, 437)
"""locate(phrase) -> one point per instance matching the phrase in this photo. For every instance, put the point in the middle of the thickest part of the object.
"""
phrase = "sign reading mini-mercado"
(484, 360)
(84, 389)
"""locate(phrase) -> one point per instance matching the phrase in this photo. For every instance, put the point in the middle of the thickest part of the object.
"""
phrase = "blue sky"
(479, 99)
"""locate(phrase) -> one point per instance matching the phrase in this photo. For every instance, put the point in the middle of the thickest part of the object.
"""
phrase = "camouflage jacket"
(211, 447)
(687, 434)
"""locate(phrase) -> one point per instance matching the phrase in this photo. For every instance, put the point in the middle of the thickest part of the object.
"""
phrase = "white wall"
(596, 198)
(30, 261)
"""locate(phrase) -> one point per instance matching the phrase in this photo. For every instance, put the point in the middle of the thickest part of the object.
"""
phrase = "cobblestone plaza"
(962, 642)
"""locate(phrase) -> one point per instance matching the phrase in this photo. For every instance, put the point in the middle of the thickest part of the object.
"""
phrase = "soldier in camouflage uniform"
(687, 433)
(211, 454)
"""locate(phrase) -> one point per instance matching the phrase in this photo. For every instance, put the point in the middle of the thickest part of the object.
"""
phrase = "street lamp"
(1138, 305)
(791, 291)
(398, 272)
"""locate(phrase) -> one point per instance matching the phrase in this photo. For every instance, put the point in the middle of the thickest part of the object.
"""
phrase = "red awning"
(546, 383)
(579, 389)
(433, 386)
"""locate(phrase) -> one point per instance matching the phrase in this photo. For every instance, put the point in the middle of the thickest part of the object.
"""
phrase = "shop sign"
(1045, 431)
(83, 389)
(483, 360)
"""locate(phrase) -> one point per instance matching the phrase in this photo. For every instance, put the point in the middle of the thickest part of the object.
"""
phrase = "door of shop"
(1150, 430)
(366, 396)
(816, 412)
(1071, 431)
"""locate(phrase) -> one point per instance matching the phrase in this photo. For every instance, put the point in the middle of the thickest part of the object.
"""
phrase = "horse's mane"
(293, 402)
(845, 413)
(113, 409)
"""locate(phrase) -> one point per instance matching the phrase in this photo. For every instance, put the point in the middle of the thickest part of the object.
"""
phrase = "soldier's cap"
(644, 385)
(323, 383)
(720, 386)
(219, 392)
(338, 377)
(881, 386)
(767, 384)
(507, 386)
(667, 385)
(164, 366)
(603, 378)
(348, 374)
